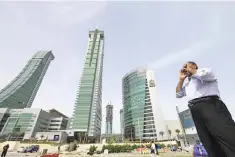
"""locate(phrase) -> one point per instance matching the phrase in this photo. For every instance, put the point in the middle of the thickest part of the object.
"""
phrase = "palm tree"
(169, 131)
(83, 137)
(161, 133)
(85, 134)
(42, 136)
(79, 136)
(177, 131)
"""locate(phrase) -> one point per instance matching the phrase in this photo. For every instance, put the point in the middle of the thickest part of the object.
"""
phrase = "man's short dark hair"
(193, 63)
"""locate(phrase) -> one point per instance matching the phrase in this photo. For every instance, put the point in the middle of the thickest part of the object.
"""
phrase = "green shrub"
(148, 146)
(119, 148)
(92, 148)
(72, 147)
(162, 145)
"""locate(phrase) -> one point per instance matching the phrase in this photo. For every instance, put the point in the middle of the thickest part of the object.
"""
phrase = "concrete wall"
(41, 123)
(50, 136)
(156, 106)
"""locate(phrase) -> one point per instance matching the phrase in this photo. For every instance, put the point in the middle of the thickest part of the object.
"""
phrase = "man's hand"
(183, 74)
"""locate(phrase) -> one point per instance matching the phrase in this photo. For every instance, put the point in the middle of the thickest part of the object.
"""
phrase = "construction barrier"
(143, 150)
(51, 155)
(139, 149)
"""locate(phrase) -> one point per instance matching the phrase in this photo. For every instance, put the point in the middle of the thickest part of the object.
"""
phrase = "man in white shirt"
(214, 123)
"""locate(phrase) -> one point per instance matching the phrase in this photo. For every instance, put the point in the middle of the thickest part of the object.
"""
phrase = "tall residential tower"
(143, 118)
(109, 119)
(20, 92)
(87, 114)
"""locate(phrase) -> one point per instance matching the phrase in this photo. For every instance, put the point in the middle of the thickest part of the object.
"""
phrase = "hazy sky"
(160, 35)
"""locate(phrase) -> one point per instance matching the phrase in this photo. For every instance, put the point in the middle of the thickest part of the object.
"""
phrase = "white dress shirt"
(201, 84)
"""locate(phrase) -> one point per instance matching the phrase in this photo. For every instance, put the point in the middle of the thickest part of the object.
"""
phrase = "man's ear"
(195, 66)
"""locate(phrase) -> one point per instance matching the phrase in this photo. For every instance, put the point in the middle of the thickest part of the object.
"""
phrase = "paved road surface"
(171, 154)
(11, 154)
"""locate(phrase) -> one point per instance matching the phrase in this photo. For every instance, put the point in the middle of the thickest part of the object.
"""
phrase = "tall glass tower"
(20, 92)
(143, 118)
(109, 119)
(87, 114)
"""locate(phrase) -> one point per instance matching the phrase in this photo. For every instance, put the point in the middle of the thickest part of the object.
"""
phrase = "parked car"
(21, 150)
(31, 149)
(172, 148)
(179, 149)
(199, 151)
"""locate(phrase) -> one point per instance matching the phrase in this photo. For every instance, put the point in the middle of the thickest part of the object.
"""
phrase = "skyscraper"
(143, 118)
(109, 119)
(20, 92)
(87, 114)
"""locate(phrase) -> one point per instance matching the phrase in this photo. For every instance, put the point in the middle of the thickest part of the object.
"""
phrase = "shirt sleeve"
(205, 74)
(181, 93)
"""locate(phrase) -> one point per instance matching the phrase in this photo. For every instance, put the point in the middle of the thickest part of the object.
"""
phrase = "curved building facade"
(143, 118)
(20, 93)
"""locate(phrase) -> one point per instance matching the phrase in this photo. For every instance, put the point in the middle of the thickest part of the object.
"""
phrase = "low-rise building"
(58, 121)
(23, 124)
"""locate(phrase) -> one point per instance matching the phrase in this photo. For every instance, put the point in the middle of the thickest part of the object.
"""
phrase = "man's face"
(190, 69)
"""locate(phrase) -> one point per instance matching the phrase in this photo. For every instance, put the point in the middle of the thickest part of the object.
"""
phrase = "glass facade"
(186, 119)
(19, 123)
(21, 92)
(109, 119)
(138, 114)
(87, 111)
(134, 85)
(3, 119)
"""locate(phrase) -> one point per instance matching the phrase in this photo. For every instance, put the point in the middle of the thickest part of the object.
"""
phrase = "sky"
(159, 35)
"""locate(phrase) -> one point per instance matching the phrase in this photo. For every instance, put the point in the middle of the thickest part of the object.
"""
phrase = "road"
(12, 154)
(170, 154)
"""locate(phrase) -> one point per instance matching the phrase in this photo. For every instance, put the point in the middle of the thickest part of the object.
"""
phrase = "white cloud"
(67, 14)
(188, 53)
(27, 27)
(60, 14)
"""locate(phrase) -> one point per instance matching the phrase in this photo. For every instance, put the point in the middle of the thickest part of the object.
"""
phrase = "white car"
(21, 150)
